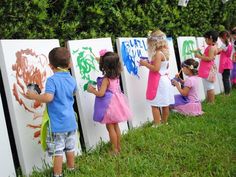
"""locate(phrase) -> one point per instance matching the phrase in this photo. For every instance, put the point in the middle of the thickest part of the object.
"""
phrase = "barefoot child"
(159, 93)
(58, 95)
(111, 105)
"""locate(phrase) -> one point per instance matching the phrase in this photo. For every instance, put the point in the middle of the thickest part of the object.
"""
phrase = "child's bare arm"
(43, 98)
(156, 64)
(101, 91)
(183, 91)
(212, 53)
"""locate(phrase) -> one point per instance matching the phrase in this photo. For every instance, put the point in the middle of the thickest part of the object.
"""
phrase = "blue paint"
(131, 52)
(136, 43)
(128, 60)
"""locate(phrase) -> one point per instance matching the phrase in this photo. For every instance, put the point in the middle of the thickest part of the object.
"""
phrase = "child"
(225, 61)
(159, 93)
(207, 63)
(193, 107)
(111, 98)
(233, 73)
(58, 95)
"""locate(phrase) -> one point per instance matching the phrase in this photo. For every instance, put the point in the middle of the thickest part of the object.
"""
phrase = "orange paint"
(30, 67)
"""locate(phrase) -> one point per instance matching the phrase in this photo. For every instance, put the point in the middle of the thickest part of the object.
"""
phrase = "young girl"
(207, 63)
(112, 99)
(193, 107)
(159, 93)
(225, 61)
(233, 73)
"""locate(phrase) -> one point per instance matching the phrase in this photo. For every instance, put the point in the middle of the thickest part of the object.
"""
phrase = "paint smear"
(131, 51)
(30, 67)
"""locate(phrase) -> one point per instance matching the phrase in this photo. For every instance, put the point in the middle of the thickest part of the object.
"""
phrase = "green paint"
(86, 64)
(187, 49)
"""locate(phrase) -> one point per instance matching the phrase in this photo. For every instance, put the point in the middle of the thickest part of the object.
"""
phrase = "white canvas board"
(8, 168)
(186, 44)
(134, 77)
(218, 84)
(86, 68)
(23, 62)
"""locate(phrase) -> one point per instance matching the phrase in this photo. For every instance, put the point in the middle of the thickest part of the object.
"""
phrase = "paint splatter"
(131, 52)
(187, 48)
(86, 63)
(30, 67)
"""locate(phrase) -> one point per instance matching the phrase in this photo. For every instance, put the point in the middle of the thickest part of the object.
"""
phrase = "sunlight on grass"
(188, 146)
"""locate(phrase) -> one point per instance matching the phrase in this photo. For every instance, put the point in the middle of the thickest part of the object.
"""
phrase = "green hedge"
(78, 19)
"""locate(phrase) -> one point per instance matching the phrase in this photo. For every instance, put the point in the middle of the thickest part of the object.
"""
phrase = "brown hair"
(110, 65)
(59, 57)
(191, 64)
(225, 36)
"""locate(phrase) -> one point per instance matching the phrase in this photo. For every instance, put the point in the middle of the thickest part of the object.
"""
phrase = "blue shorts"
(58, 143)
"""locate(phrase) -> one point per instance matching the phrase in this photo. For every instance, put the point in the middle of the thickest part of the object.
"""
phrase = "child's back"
(63, 86)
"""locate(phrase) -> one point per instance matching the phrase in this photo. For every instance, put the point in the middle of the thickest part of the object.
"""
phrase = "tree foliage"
(73, 19)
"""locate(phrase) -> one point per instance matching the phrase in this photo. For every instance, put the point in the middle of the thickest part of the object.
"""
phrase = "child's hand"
(174, 82)
(177, 75)
(91, 89)
(30, 95)
(197, 55)
(143, 62)
(97, 58)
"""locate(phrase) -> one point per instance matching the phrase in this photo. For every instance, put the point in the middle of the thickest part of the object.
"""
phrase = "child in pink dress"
(207, 63)
(193, 106)
(226, 63)
(111, 105)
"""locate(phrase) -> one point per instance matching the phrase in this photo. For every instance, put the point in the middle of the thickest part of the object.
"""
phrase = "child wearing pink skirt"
(190, 104)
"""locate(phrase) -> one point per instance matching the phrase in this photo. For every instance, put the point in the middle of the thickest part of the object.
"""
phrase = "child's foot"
(114, 152)
(156, 125)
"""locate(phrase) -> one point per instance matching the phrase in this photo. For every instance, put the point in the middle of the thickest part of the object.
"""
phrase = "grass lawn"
(189, 146)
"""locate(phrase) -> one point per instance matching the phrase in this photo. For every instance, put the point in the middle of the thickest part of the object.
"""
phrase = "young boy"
(58, 95)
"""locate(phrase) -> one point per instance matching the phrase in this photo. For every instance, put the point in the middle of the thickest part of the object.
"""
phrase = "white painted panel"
(6, 160)
(23, 62)
(134, 77)
(85, 68)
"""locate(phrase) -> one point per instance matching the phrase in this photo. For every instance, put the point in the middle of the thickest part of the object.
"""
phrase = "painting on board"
(218, 83)
(6, 158)
(86, 70)
(23, 62)
(187, 45)
(134, 77)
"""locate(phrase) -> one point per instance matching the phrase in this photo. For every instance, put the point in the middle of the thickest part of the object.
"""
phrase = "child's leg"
(211, 96)
(113, 136)
(165, 114)
(70, 144)
(118, 134)
(156, 115)
(70, 156)
(57, 165)
(226, 81)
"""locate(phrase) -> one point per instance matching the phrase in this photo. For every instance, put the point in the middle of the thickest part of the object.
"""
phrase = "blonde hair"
(157, 41)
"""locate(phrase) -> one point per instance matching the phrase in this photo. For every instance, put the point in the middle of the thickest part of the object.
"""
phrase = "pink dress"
(118, 109)
(225, 60)
(205, 66)
(194, 107)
